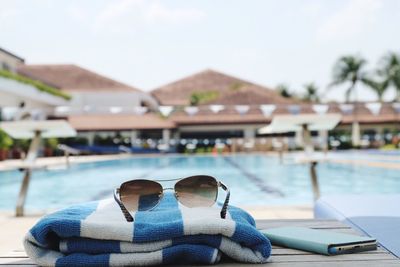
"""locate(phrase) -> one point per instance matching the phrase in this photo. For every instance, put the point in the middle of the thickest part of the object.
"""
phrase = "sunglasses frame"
(129, 218)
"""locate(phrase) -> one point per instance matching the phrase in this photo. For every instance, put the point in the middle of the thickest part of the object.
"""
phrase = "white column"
(249, 133)
(177, 136)
(249, 138)
(90, 137)
(355, 134)
(298, 138)
(134, 135)
(166, 136)
(307, 141)
(323, 134)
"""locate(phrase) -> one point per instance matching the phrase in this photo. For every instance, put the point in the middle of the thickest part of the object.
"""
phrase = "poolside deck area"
(12, 229)
(378, 161)
(59, 161)
(281, 257)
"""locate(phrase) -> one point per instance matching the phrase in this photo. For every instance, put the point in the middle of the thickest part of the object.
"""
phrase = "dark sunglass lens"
(197, 191)
(140, 194)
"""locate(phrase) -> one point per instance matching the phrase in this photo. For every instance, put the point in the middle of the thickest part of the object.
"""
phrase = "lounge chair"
(377, 216)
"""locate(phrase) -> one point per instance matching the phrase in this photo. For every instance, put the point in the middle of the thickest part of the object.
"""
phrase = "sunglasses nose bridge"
(168, 188)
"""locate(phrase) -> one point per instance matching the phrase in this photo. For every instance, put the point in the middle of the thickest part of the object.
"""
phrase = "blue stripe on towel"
(209, 240)
(243, 231)
(187, 254)
(238, 215)
(152, 224)
(80, 259)
(63, 223)
(92, 246)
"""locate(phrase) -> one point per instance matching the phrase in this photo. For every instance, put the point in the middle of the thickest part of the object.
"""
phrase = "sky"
(149, 43)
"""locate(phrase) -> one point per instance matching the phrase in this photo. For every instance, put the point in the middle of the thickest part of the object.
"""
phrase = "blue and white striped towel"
(96, 234)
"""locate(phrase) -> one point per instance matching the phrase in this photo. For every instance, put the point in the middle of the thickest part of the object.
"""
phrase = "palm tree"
(284, 90)
(350, 70)
(390, 71)
(311, 94)
(377, 87)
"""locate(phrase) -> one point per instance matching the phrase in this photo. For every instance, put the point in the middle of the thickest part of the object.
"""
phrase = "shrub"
(38, 84)
(5, 141)
(203, 97)
(51, 143)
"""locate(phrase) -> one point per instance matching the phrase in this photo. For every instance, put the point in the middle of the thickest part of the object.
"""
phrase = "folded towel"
(97, 234)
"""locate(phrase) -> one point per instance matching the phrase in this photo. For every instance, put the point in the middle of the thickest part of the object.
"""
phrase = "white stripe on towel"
(136, 259)
(127, 247)
(107, 222)
(209, 222)
(240, 253)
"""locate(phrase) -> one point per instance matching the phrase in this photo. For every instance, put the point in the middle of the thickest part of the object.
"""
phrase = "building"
(99, 105)
(21, 97)
(9, 61)
(210, 104)
(204, 108)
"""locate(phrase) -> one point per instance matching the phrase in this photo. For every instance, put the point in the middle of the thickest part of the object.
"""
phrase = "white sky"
(148, 43)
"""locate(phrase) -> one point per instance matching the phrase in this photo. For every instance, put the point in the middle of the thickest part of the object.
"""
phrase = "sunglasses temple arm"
(126, 213)
(225, 206)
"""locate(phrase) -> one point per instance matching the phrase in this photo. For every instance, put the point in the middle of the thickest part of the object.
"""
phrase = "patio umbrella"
(346, 108)
(320, 108)
(216, 108)
(166, 110)
(191, 110)
(140, 110)
(294, 109)
(374, 108)
(242, 109)
(267, 110)
(396, 107)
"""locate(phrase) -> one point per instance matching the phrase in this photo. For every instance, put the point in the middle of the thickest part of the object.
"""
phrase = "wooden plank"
(390, 263)
(288, 251)
(343, 230)
(361, 263)
(276, 250)
(286, 256)
(16, 261)
(316, 224)
(323, 258)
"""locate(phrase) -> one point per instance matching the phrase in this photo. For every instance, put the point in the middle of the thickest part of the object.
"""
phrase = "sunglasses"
(193, 191)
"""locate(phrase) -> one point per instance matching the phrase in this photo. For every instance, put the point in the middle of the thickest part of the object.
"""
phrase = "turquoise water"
(253, 179)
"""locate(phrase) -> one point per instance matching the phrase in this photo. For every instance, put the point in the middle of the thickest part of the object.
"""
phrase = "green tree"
(5, 141)
(311, 94)
(197, 98)
(378, 87)
(349, 70)
(284, 90)
(390, 71)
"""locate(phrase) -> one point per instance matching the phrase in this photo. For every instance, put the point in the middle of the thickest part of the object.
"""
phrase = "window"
(5, 66)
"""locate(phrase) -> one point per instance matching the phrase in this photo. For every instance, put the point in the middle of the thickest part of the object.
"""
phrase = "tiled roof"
(218, 119)
(227, 116)
(72, 78)
(254, 115)
(251, 95)
(230, 90)
(119, 122)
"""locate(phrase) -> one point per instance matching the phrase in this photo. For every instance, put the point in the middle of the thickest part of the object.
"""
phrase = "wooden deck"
(281, 257)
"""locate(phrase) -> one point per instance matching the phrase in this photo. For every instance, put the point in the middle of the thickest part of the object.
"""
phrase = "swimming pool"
(254, 179)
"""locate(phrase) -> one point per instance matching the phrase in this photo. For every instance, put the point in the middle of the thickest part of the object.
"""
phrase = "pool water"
(253, 179)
